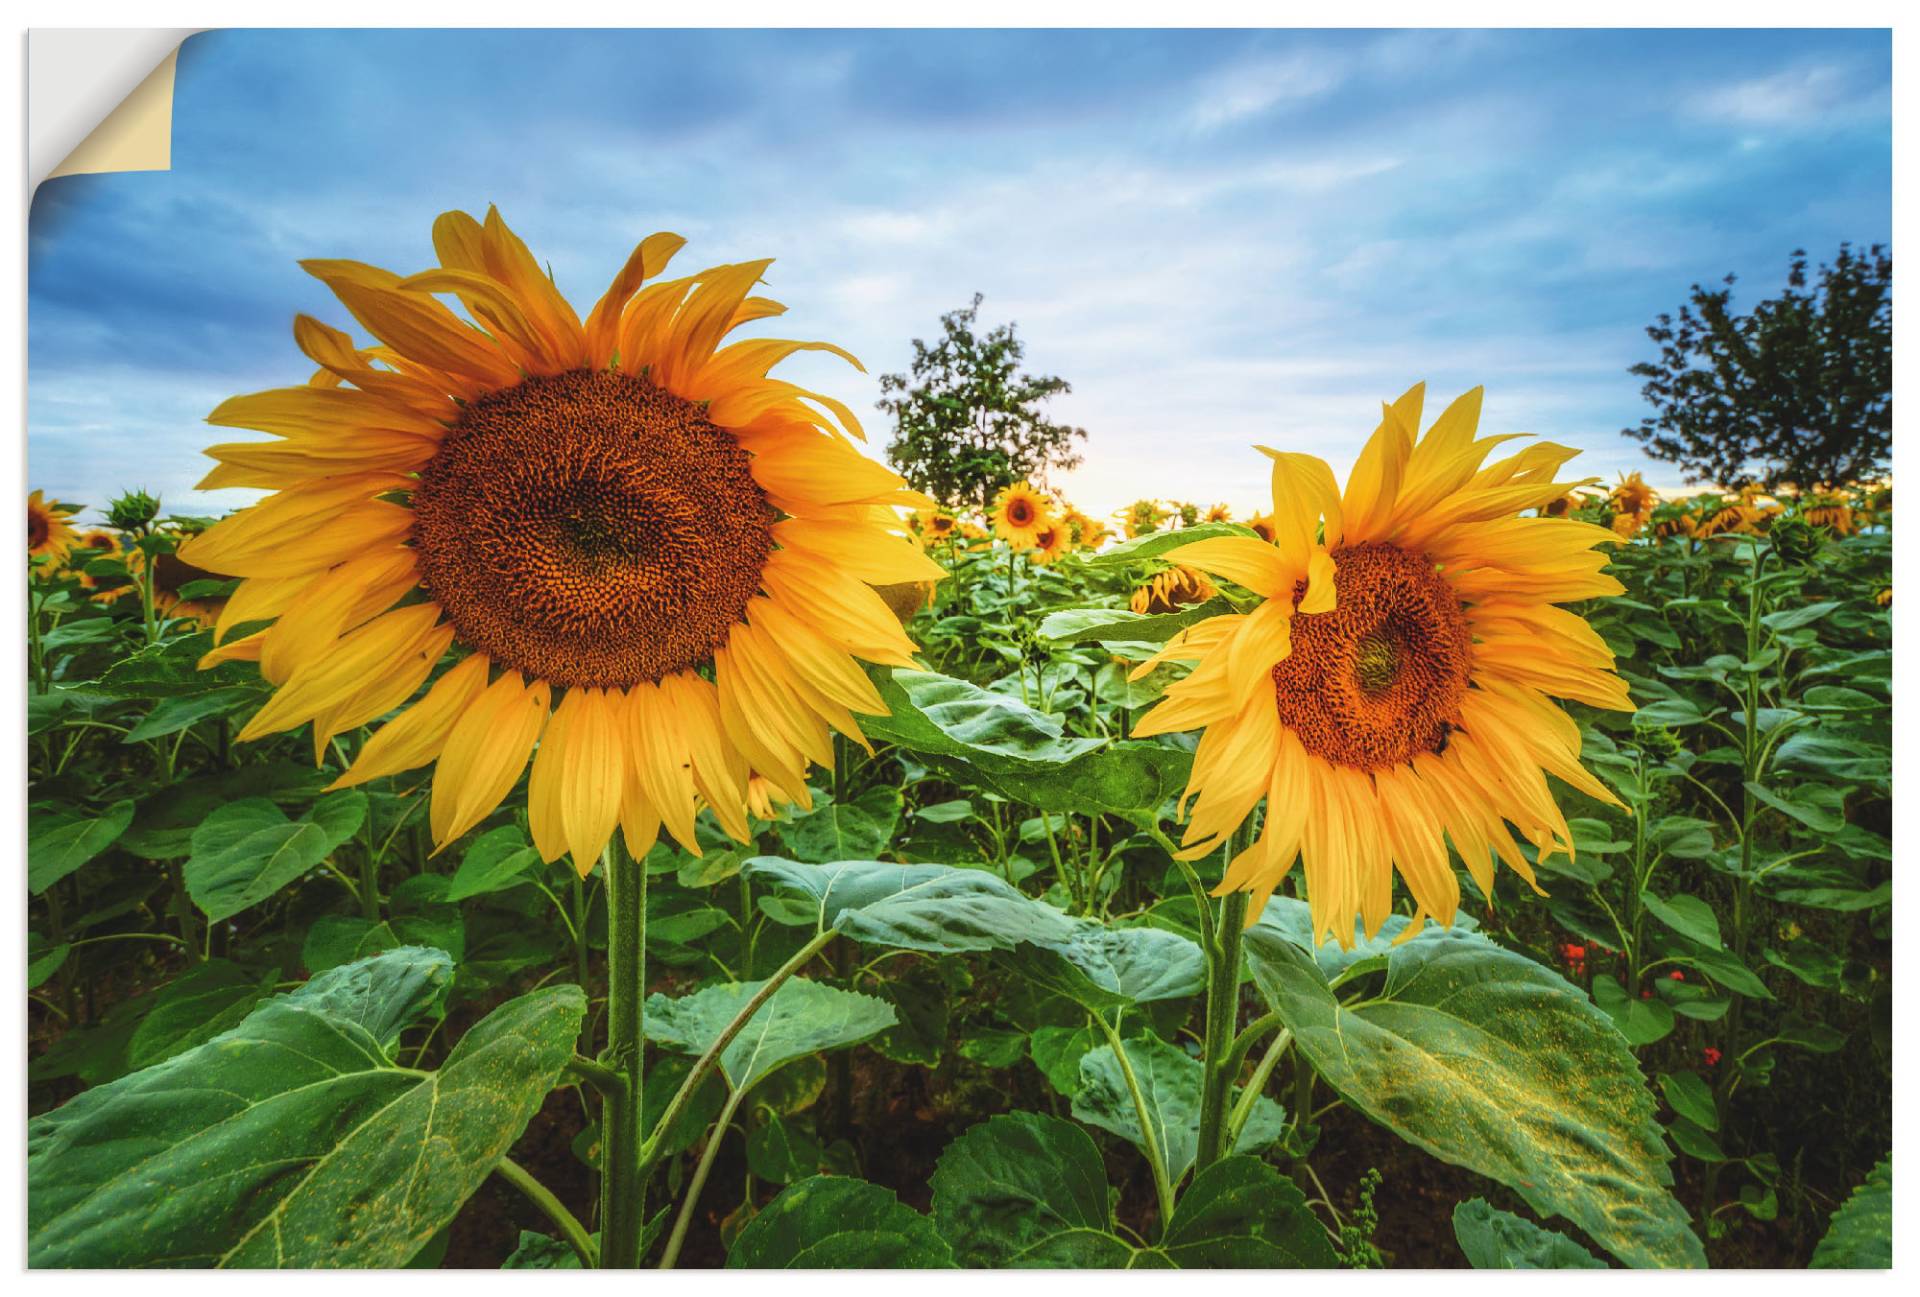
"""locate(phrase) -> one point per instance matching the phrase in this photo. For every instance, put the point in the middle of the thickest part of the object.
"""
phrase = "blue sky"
(1219, 238)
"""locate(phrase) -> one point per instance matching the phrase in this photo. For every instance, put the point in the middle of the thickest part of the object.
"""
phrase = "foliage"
(966, 419)
(1799, 389)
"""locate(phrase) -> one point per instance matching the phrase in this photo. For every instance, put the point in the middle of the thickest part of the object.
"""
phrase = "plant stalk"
(622, 1182)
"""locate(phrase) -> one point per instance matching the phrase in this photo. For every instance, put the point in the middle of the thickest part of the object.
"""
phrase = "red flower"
(1677, 975)
(1572, 951)
(1712, 1056)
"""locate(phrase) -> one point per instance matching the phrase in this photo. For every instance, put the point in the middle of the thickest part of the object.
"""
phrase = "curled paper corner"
(136, 136)
(81, 110)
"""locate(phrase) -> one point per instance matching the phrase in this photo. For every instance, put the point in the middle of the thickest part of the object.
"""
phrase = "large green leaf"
(1861, 1235)
(982, 738)
(1156, 543)
(1169, 1081)
(799, 1019)
(1499, 1240)
(946, 909)
(295, 1139)
(1240, 1213)
(497, 860)
(1074, 625)
(1494, 1063)
(830, 1222)
(247, 851)
(1025, 1189)
(858, 828)
(195, 1007)
(172, 670)
(61, 839)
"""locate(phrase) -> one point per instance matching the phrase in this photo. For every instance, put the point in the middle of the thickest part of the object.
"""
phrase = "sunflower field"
(585, 812)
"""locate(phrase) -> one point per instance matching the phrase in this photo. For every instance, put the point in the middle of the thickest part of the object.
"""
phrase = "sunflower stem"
(622, 1185)
(1222, 1024)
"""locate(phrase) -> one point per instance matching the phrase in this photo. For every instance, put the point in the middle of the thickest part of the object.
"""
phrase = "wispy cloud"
(1807, 95)
(1233, 94)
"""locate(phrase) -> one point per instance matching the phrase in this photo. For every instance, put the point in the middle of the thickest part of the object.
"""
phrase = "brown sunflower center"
(38, 529)
(1019, 512)
(591, 529)
(1379, 679)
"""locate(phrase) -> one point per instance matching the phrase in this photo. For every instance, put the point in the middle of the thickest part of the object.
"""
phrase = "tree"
(1799, 391)
(966, 422)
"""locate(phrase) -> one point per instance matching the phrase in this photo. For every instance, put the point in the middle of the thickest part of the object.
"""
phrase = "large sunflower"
(654, 562)
(1394, 685)
(48, 532)
(1020, 514)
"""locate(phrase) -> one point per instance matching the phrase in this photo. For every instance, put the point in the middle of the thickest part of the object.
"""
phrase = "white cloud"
(1797, 96)
(1249, 89)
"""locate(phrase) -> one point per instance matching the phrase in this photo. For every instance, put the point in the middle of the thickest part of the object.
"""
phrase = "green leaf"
(195, 1007)
(858, 829)
(1689, 1095)
(1794, 618)
(336, 939)
(60, 840)
(542, 1252)
(829, 1222)
(1694, 1142)
(172, 715)
(945, 909)
(1057, 1052)
(780, 1150)
(1240, 1213)
(982, 738)
(800, 1018)
(245, 852)
(1861, 1235)
(923, 1005)
(1169, 1082)
(1673, 712)
(495, 861)
(1641, 1021)
(172, 670)
(1499, 1240)
(294, 1139)
(1026, 1190)
(1156, 543)
(1074, 625)
(43, 959)
(1818, 818)
(1687, 915)
(1492, 1062)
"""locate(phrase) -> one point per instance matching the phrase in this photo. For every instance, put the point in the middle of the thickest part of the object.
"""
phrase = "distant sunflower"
(1142, 517)
(938, 524)
(1394, 687)
(1052, 542)
(48, 532)
(1172, 590)
(1632, 495)
(1220, 513)
(1261, 524)
(1884, 596)
(656, 562)
(88, 546)
(1835, 516)
(1626, 525)
(1019, 514)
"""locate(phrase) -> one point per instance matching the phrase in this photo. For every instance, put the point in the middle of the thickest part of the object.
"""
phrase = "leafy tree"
(966, 421)
(1800, 390)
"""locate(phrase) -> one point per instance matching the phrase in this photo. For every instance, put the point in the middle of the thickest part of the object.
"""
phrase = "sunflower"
(1835, 515)
(1019, 512)
(171, 575)
(1052, 542)
(763, 799)
(1172, 590)
(1261, 524)
(1142, 517)
(654, 562)
(86, 547)
(1632, 495)
(1626, 525)
(48, 534)
(1220, 513)
(1884, 597)
(937, 524)
(1393, 687)
(1087, 532)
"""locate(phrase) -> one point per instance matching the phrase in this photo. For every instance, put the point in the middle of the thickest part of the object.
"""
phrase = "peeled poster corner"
(101, 101)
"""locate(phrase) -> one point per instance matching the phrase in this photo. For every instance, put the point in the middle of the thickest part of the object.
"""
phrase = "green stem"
(542, 1197)
(682, 1221)
(1156, 1156)
(703, 1066)
(1256, 1086)
(1223, 1003)
(622, 1184)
